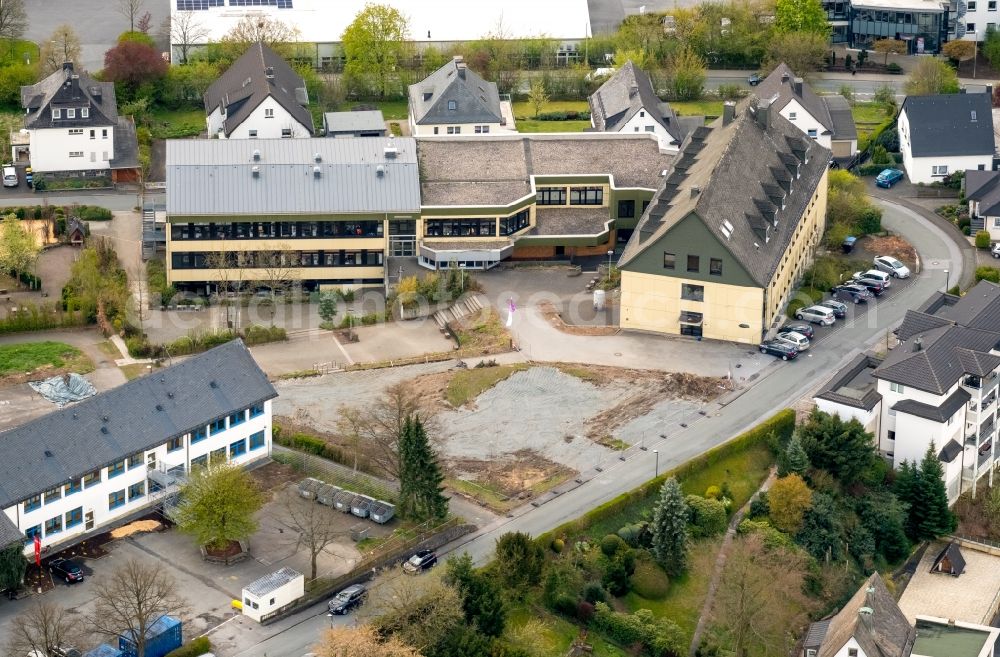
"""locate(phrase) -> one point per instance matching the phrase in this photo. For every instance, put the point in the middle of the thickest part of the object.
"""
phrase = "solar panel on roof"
(195, 5)
(280, 4)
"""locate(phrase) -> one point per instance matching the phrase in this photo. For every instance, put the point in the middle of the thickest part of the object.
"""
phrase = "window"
(694, 263)
(812, 133)
(74, 486)
(482, 129)
(56, 113)
(642, 113)
(715, 266)
(996, 222)
(135, 460)
(551, 196)
(852, 652)
(970, 27)
(512, 224)
(104, 133)
(199, 462)
(92, 479)
(175, 444)
(941, 170)
(217, 426)
(256, 409)
(53, 495)
(791, 116)
(257, 440)
(891, 435)
(586, 195)
(93, 134)
(669, 260)
(75, 131)
(70, 112)
(198, 435)
(238, 417)
(76, 153)
(268, 113)
(971, 5)
(74, 517)
(32, 503)
(136, 490)
(253, 134)
(692, 292)
(85, 113)
(991, 5)
(626, 209)
(31, 532)
(460, 227)
(810, 652)
(116, 468)
(452, 105)
(454, 130)
(53, 525)
(896, 387)
(116, 499)
(237, 448)
(286, 133)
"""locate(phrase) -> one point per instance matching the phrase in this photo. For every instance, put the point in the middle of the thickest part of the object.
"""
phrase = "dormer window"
(452, 105)
(84, 112)
(56, 113)
(70, 112)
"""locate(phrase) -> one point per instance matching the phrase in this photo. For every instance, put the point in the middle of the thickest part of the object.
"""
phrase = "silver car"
(891, 266)
(817, 315)
(797, 340)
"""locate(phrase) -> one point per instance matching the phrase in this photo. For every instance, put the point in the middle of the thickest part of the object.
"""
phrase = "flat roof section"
(968, 597)
(927, 6)
(573, 220)
(950, 640)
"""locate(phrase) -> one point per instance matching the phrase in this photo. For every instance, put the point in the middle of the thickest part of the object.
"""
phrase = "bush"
(193, 648)
(254, 334)
(894, 68)
(93, 213)
(991, 274)
(309, 444)
(557, 545)
(759, 506)
(611, 544)
(658, 636)
(871, 221)
(983, 239)
(636, 535)
(707, 516)
(649, 581)
(564, 604)
(868, 170)
(594, 592)
(584, 611)
(731, 91)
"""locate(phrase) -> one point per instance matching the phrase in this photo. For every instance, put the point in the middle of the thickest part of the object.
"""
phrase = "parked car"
(851, 292)
(873, 286)
(891, 266)
(29, 177)
(9, 176)
(798, 327)
(351, 597)
(995, 251)
(888, 178)
(420, 562)
(839, 309)
(754, 79)
(799, 341)
(816, 315)
(66, 570)
(781, 349)
(873, 275)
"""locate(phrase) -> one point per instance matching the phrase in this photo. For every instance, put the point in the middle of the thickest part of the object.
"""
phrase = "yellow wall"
(277, 244)
(292, 273)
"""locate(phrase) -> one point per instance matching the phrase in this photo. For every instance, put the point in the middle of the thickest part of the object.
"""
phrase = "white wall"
(920, 169)
(993, 226)
(51, 148)
(95, 498)
(267, 128)
(868, 419)
(643, 122)
(283, 595)
(467, 129)
(914, 434)
(805, 122)
(851, 644)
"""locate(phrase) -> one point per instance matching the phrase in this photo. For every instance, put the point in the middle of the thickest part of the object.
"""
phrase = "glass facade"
(924, 32)
(262, 230)
(274, 259)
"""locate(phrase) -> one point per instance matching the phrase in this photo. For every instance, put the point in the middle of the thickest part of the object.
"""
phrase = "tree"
(185, 30)
(537, 96)
(132, 64)
(12, 78)
(642, 32)
(482, 599)
(935, 518)
(420, 491)
(130, 9)
(374, 45)
(494, 55)
(519, 561)
(131, 599)
(959, 50)
(228, 274)
(794, 458)
(379, 426)
(13, 19)
(40, 630)
(687, 74)
(991, 46)
(187, 83)
(273, 33)
(929, 77)
(62, 46)
(327, 306)
(804, 52)
(419, 614)
(217, 505)
(18, 249)
(145, 23)
(361, 641)
(312, 524)
(669, 529)
(890, 47)
(801, 16)
(820, 530)
(789, 498)
(12, 567)
(884, 515)
(844, 449)
(277, 269)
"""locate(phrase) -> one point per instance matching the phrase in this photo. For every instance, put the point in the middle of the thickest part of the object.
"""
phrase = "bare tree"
(62, 46)
(132, 599)
(312, 523)
(13, 19)
(420, 613)
(184, 30)
(228, 276)
(361, 641)
(277, 268)
(41, 630)
(274, 34)
(140, 292)
(131, 9)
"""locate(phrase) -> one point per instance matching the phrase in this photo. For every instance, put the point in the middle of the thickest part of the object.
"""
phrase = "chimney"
(784, 77)
(763, 114)
(695, 191)
(68, 66)
(633, 91)
(728, 112)
(459, 65)
(918, 344)
(797, 83)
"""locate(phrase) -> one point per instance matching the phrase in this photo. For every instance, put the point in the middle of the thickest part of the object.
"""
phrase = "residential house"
(627, 103)
(272, 213)
(81, 469)
(982, 191)
(455, 100)
(258, 97)
(734, 223)
(535, 197)
(827, 119)
(941, 135)
(939, 385)
(367, 123)
(74, 129)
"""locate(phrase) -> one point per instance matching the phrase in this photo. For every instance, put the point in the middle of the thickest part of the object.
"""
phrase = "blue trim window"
(257, 440)
(116, 468)
(92, 479)
(239, 417)
(199, 462)
(135, 460)
(137, 490)
(237, 448)
(198, 435)
(175, 444)
(74, 517)
(31, 532)
(75, 486)
(116, 499)
(53, 526)
(256, 410)
(33, 503)
(217, 426)
(53, 495)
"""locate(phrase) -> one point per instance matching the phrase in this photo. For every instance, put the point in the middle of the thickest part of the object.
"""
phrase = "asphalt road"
(780, 386)
(864, 87)
(106, 199)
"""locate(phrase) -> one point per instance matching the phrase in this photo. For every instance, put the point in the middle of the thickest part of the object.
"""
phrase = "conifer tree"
(670, 530)
(421, 494)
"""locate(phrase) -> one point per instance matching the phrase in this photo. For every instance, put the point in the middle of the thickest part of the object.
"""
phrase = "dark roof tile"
(950, 124)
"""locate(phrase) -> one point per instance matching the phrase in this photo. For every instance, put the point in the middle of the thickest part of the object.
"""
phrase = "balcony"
(973, 382)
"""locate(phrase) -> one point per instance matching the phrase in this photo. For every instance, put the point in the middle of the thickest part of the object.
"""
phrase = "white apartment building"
(941, 135)
(81, 469)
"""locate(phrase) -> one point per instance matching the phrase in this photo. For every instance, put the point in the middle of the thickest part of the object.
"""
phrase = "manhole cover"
(618, 353)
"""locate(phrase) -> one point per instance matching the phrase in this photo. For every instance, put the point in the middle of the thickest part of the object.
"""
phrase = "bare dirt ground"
(891, 245)
(554, 317)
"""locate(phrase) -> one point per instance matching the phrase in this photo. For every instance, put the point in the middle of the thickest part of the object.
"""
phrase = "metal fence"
(337, 474)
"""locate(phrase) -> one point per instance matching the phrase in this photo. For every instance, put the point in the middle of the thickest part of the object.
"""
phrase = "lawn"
(542, 634)
(18, 50)
(867, 117)
(173, 124)
(30, 356)
(708, 108)
(468, 384)
(391, 109)
(526, 125)
(527, 110)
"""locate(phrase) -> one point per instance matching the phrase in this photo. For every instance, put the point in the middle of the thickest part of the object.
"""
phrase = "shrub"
(557, 545)
(254, 334)
(731, 91)
(983, 239)
(658, 636)
(894, 68)
(138, 347)
(991, 274)
(193, 648)
(93, 213)
(759, 506)
(636, 534)
(713, 493)
(564, 604)
(594, 592)
(870, 221)
(649, 581)
(584, 611)
(880, 155)
(611, 544)
(707, 516)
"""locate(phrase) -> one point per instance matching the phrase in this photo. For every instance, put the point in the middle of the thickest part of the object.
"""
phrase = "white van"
(9, 177)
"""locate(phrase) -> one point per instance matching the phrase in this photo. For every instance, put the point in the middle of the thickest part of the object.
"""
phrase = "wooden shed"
(950, 561)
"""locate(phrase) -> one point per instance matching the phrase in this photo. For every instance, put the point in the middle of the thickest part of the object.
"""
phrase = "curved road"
(785, 383)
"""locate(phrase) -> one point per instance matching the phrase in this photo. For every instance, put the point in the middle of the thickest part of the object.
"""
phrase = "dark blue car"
(888, 178)
(782, 350)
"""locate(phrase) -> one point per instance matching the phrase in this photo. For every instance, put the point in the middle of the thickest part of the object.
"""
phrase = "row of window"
(246, 230)
(93, 133)
(577, 196)
(286, 133)
(477, 227)
(237, 448)
(693, 264)
(70, 112)
(457, 129)
(275, 259)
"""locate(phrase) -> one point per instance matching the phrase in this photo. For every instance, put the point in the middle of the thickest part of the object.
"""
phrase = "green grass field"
(174, 124)
(29, 356)
(526, 125)
(18, 51)
(707, 108)
(466, 385)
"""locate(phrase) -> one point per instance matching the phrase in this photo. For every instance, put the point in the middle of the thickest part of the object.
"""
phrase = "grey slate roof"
(950, 124)
(215, 176)
(623, 95)
(936, 365)
(978, 308)
(941, 413)
(9, 533)
(917, 323)
(843, 127)
(817, 631)
(854, 384)
(476, 100)
(66, 444)
(885, 633)
(574, 220)
(245, 85)
(362, 121)
(735, 173)
(954, 554)
(949, 451)
(271, 582)
(66, 88)
(126, 154)
(780, 88)
(984, 187)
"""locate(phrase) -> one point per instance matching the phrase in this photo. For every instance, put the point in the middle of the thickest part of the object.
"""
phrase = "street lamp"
(975, 52)
(656, 472)
(611, 252)
(946, 281)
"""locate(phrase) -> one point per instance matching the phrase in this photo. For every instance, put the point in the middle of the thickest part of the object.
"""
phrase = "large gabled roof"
(474, 99)
(749, 180)
(623, 95)
(936, 359)
(977, 308)
(950, 124)
(258, 74)
(782, 87)
(66, 88)
(146, 412)
(873, 619)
